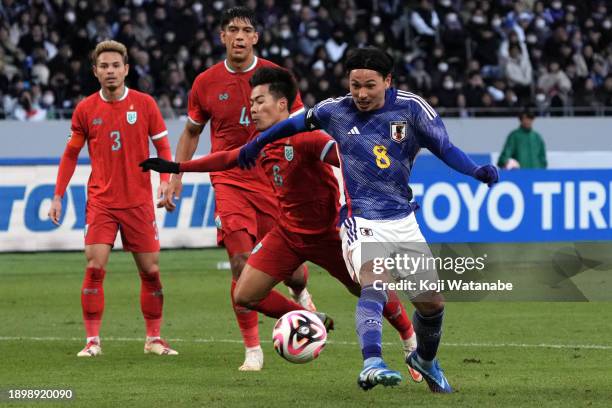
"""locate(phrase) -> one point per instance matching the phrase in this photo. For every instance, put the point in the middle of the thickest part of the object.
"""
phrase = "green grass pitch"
(505, 354)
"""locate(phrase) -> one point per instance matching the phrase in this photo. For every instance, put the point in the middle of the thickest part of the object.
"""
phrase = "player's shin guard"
(92, 300)
(395, 313)
(151, 302)
(247, 322)
(428, 330)
(275, 305)
(368, 320)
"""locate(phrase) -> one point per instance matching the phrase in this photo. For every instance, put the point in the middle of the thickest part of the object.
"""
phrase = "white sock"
(150, 339)
(95, 339)
(256, 348)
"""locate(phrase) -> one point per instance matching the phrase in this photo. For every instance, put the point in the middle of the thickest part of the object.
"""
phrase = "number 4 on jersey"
(244, 117)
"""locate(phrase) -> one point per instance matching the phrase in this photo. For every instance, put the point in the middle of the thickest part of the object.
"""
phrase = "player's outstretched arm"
(217, 161)
(432, 135)
(288, 127)
(66, 169)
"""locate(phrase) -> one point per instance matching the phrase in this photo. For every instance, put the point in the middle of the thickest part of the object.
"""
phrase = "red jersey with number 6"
(222, 95)
(117, 135)
(305, 185)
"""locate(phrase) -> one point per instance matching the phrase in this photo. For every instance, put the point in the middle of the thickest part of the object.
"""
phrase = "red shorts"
(137, 225)
(237, 209)
(281, 252)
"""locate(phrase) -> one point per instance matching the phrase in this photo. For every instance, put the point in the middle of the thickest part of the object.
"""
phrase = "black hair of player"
(239, 13)
(369, 58)
(281, 83)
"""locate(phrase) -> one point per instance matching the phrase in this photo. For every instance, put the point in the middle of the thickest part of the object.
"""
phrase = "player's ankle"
(372, 361)
(254, 348)
(424, 363)
(95, 339)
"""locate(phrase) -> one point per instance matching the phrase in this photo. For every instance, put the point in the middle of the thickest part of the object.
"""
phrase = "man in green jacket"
(524, 147)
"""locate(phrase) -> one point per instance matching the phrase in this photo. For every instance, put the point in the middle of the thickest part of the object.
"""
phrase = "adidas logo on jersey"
(354, 131)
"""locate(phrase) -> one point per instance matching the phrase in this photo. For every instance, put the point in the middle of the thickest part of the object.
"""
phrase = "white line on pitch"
(342, 343)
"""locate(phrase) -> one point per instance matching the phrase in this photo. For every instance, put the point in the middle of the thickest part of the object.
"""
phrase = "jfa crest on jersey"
(398, 130)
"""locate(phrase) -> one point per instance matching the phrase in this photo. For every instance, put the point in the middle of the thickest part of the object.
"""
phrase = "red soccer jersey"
(223, 96)
(306, 187)
(117, 135)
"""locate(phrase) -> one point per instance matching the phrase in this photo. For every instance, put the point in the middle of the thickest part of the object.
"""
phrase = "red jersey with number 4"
(117, 135)
(222, 95)
(305, 185)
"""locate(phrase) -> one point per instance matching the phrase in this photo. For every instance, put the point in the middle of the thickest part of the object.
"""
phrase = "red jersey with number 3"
(117, 135)
(305, 185)
(222, 96)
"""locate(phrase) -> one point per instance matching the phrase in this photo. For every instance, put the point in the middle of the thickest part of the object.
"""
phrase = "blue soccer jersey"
(378, 148)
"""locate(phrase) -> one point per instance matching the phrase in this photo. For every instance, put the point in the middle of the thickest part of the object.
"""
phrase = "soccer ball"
(299, 336)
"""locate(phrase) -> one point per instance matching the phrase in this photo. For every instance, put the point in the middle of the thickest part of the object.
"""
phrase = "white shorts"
(364, 240)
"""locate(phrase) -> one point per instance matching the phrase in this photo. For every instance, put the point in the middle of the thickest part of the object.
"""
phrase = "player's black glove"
(487, 174)
(160, 165)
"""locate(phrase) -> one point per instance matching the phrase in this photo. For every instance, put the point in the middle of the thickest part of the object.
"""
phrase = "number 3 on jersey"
(382, 159)
(116, 138)
(244, 117)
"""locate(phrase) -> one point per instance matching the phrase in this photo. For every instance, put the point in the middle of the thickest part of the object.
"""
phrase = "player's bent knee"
(244, 299)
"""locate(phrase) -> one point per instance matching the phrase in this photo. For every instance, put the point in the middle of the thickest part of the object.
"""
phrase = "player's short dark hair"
(280, 83)
(369, 58)
(240, 13)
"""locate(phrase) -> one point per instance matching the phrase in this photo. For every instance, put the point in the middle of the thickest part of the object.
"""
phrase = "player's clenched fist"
(487, 174)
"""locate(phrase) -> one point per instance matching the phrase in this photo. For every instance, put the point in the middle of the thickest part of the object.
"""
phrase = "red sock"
(247, 322)
(395, 313)
(297, 283)
(151, 302)
(92, 300)
(275, 305)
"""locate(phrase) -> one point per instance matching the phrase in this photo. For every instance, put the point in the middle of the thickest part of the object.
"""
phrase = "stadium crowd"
(467, 57)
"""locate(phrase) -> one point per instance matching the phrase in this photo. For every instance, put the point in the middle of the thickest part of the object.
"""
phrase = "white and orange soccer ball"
(299, 336)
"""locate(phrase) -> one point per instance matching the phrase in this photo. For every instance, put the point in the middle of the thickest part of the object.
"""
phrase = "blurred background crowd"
(467, 57)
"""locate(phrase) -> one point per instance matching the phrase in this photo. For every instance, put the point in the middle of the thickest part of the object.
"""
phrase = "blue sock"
(368, 320)
(428, 330)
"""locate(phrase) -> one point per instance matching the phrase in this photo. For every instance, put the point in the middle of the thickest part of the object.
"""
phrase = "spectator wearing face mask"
(336, 45)
(555, 84)
(519, 72)
(27, 111)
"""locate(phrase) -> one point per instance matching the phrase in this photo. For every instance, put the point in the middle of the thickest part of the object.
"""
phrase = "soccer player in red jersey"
(298, 170)
(245, 205)
(117, 123)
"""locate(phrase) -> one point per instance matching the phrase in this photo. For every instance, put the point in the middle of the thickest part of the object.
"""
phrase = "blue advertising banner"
(525, 206)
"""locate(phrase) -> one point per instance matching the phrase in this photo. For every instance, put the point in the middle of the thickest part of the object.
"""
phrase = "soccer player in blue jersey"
(378, 132)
